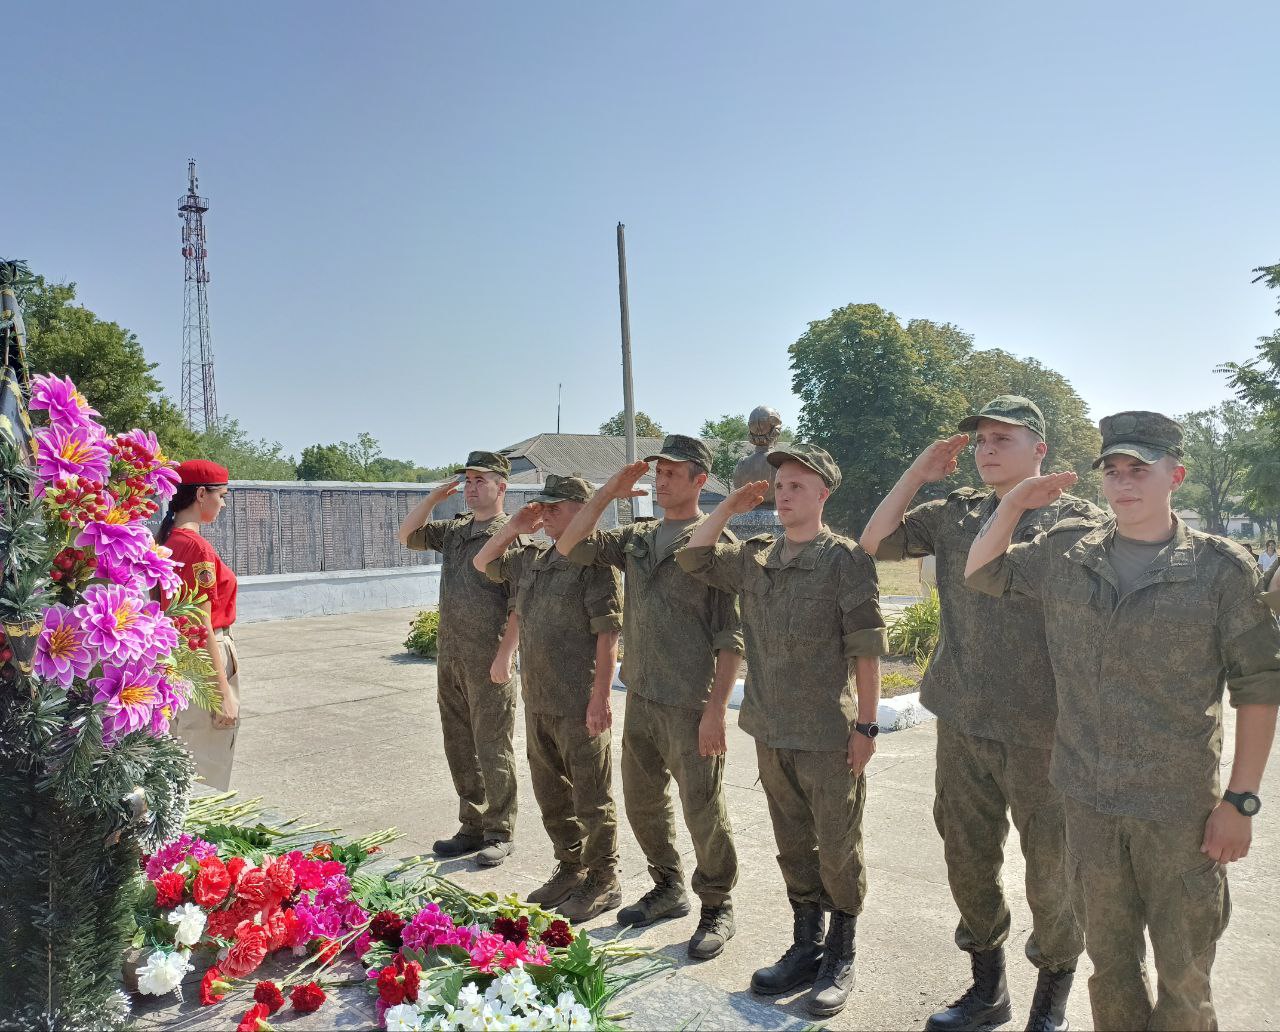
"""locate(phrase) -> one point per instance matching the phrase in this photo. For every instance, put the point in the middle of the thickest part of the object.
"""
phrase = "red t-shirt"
(203, 569)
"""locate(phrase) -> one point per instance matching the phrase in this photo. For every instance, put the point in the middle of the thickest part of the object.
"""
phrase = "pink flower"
(170, 855)
(431, 927)
(131, 693)
(116, 540)
(115, 573)
(157, 570)
(62, 654)
(73, 451)
(123, 625)
(66, 406)
(142, 451)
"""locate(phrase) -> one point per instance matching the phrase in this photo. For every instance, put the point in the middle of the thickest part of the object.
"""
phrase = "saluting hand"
(861, 749)
(623, 483)
(1037, 492)
(745, 498)
(940, 459)
(1227, 834)
(449, 487)
(528, 519)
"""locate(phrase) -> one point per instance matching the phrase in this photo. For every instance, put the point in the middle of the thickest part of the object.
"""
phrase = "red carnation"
(212, 883)
(327, 949)
(251, 886)
(212, 987)
(388, 926)
(512, 931)
(412, 980)
(250, 949)
(399, 981)
(278, 927)
(390, 991)
(235, 865)
(269, 995)
(557, 933)
(170, 888)
(280, 880)
(307, 998)
(322, 851)
(254, 1020)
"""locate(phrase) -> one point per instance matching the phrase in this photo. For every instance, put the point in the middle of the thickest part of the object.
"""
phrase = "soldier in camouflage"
(811, 618)
(1148, 621)
(683, 644)
(996, 710)
(477, 716)
(568, 618)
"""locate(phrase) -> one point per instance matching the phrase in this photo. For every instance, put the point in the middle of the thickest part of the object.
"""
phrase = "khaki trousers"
(660, 743)
(478, 719)
(572, 774)
(1138, 874)
(979, 783)
(213, 749)
(816, 803)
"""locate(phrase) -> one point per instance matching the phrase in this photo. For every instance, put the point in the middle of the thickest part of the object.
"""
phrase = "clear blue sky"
(413, 204)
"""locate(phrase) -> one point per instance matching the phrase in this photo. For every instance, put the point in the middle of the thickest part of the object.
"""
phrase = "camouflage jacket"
(804, 623)
(673, 625)
(1140, 678)
(562, 607)
(473, 611)
(990, 675)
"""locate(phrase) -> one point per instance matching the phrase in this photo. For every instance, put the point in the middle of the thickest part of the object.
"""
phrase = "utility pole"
(199, 395)
(559, 388)
(628, 399)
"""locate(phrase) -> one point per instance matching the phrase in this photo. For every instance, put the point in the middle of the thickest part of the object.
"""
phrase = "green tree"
(1072, 437)
(874, 394)
(729, 442)
(1218, 443)
(329, 462)
(1257, 382)
(645, 426)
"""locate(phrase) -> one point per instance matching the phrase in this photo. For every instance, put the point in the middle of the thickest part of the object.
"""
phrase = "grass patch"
(899, 578)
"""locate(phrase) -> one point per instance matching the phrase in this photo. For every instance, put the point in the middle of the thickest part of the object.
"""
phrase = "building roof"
(593, 457)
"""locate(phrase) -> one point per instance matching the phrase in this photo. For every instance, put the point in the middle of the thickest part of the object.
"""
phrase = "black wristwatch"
(1246, 802)
(872, 729)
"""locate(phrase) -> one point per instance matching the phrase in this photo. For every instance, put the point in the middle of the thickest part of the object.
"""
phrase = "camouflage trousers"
(1138, 874)
(815, 804)
(979, 783)
(478, 719)
(660, 743)
(572, 774)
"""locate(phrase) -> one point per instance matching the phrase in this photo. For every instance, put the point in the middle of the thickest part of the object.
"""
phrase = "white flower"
(579, 1018)
(163, 972)
(404, 1017)
(190, 920)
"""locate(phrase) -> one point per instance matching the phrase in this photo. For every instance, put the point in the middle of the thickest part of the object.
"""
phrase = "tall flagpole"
(628, 399)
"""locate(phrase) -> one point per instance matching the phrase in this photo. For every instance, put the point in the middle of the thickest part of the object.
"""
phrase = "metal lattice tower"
(199, 396)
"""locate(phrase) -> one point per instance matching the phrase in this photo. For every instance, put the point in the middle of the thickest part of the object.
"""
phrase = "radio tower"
(199, 396)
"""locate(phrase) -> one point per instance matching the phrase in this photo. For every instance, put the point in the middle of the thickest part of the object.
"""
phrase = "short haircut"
(695, 468)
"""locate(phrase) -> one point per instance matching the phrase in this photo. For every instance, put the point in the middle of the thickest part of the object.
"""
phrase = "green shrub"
(915, 632)
(897, 682)
(423, 632)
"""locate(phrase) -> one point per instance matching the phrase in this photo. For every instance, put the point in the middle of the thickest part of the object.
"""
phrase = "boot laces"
(1042, 1002)
(710, 919)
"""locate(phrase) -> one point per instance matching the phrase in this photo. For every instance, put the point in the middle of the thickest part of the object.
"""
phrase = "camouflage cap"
(559, 489)
(1146, 436)
(678, 448)
(1009, 408)
(487, 462)
(809, 455)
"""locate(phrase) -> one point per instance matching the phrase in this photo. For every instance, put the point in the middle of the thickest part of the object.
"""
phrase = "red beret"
(203, 473)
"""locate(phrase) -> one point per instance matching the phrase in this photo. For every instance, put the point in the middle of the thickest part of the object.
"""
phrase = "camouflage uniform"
(804, 623)
(562, 608)
(476, 715)
(991, 686)
(1139, 735)
(672, 625)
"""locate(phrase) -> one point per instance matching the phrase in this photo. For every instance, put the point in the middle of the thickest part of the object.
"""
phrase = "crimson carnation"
(557, 933)
(212, 883)
(269, 995)
(249, 950)
(307, 997)
(254, 1020)
(512, 931)
(234, 866)
(212, 987)
(280, 880)
(251, 886)
(170, 888)
(412, 980)
(388, 926)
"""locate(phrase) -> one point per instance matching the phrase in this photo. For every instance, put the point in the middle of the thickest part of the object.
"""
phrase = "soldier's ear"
(1179, 475)
(1042, 449)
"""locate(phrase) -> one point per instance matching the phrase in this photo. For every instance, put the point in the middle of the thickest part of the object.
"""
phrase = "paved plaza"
(341, 723)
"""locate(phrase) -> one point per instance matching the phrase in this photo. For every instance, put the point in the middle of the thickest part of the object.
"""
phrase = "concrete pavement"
(340, 722)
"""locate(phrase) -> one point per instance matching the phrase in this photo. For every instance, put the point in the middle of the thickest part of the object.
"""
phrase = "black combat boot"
(835, 978)
(799, 965)
(1049, 1005)
(986, 1002)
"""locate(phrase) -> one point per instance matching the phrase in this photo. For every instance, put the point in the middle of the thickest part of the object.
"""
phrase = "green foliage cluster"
(424, 631)
(646, 426)
(731, 441)
(916, 630)
(876, 393)
(362, 461)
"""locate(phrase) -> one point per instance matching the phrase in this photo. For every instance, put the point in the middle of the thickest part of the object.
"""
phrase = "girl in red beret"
(211, 737)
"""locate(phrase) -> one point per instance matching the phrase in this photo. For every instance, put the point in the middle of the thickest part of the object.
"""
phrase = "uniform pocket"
(814, 618)
(1206, 906)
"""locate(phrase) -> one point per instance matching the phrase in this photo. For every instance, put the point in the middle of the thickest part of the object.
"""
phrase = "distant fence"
(275, 527)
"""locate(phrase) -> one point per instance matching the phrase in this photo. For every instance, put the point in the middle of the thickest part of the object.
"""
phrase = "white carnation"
(163, 972)
(404, 1017)
(190, 920)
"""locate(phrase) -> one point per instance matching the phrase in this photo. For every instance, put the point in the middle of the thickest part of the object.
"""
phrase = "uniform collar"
(808, 557)
(678, 542)
(549, 557)
(474, 530)
(1174, 562)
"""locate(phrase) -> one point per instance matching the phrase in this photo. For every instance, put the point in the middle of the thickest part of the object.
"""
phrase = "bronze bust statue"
(763, 428)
